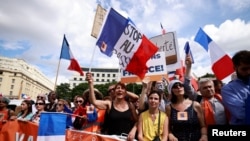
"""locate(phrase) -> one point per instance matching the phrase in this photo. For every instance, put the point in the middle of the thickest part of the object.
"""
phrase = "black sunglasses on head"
(40, 97)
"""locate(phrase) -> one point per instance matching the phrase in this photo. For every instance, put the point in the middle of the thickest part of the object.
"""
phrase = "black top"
(119, 122)
(185, 130)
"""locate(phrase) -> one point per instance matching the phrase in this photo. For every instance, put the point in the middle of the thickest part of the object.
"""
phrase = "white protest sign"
(168, 44)
(156, 70)
(99, 17)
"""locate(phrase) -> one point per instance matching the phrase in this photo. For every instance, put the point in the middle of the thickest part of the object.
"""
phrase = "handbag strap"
(159, 123)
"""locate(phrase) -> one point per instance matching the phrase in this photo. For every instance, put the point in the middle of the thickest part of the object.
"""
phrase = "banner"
(76, 135)
(18, 130)
(99, 17)
(156, 70)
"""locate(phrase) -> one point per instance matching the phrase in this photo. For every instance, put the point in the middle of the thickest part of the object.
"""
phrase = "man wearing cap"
(5, 113)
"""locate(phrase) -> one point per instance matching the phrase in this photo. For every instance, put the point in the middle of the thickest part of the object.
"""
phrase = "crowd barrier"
(18, 130)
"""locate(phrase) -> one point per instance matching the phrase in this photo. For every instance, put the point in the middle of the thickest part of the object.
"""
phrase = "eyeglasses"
(39, 97)
(80, 101)
(39, 103)
(177, 85)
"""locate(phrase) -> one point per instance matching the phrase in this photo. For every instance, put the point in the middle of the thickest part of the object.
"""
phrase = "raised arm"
(143, 96)
(132, 96)
(187, 82)
(100, 104)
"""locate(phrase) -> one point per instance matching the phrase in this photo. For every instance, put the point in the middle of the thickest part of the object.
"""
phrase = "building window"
(12, 87)
(103, 75)
(107, 80)
(13, 80)
(97, 80)
(113, 80)
(1, 79)
(74, 84)
(102, 80)
(93, 74)
(113, 75)
(80, 79)
(11, 92)
(75, 78)
(108, 75)
(97, 74)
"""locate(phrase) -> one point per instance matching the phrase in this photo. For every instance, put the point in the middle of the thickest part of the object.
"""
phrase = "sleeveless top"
(150, 128)
(119, 122)
(27, 117)
(185, 130)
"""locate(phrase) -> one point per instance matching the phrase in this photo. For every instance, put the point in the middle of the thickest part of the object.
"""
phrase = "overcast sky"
(33, 29)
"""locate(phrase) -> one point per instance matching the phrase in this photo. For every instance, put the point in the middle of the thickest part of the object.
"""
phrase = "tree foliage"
(64, 91)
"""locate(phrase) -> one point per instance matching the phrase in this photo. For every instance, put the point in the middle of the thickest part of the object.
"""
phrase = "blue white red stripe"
(222, 65)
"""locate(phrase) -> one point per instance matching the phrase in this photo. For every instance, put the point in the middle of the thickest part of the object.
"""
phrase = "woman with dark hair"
(153, 122)
(26, 110)
(122, 116)
(40, 107)
(186, 119)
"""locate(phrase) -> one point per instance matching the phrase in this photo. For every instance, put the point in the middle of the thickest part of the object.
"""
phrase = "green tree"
(134, 87)
(63, 90)
(79, 89)
(208, 75)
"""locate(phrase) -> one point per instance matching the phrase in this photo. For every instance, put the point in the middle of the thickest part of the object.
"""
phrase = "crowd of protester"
(181, 114)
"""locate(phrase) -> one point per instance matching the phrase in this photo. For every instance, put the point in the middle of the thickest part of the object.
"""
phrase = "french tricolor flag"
(119, 35)
(52, 126)
(67, 54)
(222, 65)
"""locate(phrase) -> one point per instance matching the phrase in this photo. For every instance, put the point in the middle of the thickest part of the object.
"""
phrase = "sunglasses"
(80, 101)
(177, 85)
(39, 103)
(39, 97)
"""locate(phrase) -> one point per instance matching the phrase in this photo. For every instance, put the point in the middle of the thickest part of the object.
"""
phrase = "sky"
(33, 30)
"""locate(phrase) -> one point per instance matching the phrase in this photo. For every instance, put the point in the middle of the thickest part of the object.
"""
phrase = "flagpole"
(92, 58)
(57, 74)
